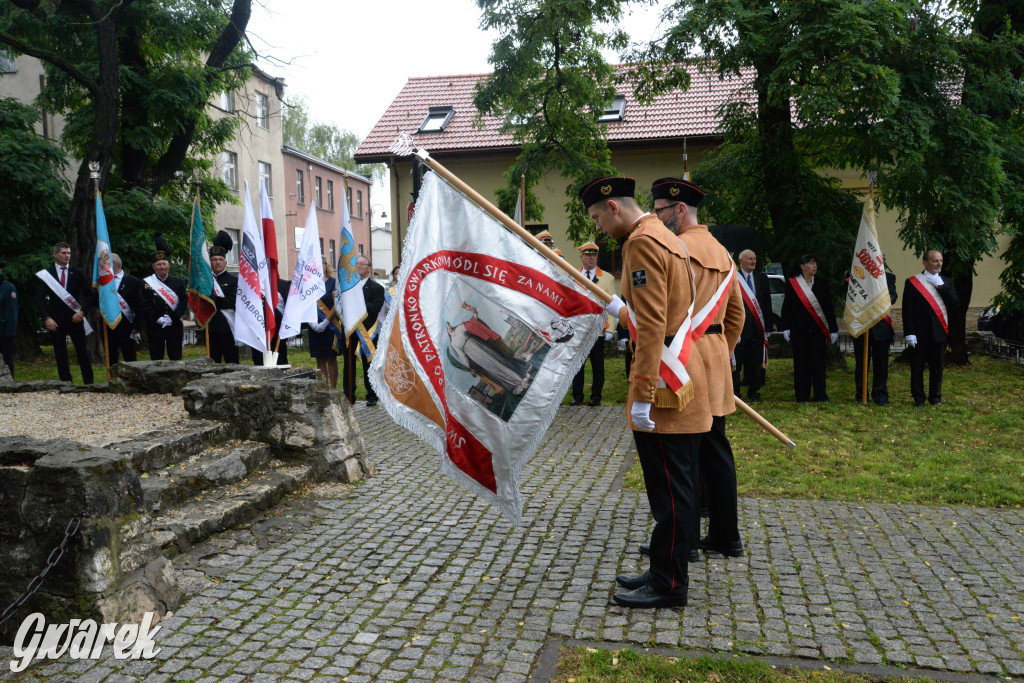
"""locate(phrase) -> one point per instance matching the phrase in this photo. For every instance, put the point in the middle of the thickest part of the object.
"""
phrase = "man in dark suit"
(122, 339)
(928, 300)
(166, 302)
(373, 296)
(64, 318)
(8, 318)
(752, 350)
(878, 348)
(221, 327)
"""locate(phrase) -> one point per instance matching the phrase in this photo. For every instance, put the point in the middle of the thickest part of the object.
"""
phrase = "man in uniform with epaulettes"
(667, 421)
(221, 327)
(716, 335)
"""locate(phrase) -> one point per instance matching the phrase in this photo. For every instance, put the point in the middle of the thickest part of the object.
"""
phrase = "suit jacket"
(882, 330)
(131, 290)
(919, 318)
(8, 309)
(156, 306)
(798, 320)
(711, 265)
(373, 295)
(656, 286)
(229, 285)
(48, 305)
(763, 294)
(606, 282)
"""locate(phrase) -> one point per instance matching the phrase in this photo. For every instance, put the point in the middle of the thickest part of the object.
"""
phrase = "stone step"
(177, 529)
(226, 463)
(171, 444)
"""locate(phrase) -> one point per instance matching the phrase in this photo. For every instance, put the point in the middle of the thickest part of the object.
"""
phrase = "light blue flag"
(349, 295)
(103, 270)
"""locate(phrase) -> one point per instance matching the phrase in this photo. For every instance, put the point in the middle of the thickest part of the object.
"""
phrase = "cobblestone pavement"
(410, 578)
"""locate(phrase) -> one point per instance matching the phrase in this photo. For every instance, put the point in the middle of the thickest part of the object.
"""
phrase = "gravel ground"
(86, 418)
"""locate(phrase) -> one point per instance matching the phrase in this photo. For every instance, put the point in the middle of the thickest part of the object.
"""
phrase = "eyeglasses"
(657, 212)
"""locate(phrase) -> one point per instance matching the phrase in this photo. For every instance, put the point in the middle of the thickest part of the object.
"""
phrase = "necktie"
(750, 282)
(63, 277)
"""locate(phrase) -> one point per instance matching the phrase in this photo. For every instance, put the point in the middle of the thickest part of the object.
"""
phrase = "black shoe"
(754, 397)
(882, 403)
(371, 404)
(646, 597)
(576, 402)
(631, 583)
(731, 549)
(694, 556)
(918, 404)
(645, 549)
(594, 402)
(936, 403)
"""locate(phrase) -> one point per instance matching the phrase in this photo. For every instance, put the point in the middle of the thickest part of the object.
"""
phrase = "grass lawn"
(590, 665)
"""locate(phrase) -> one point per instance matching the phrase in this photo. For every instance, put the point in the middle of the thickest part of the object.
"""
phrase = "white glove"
(785, 335)
(608, 336)
(164, 320)
(911, 339)
(614, 306)
(320, 326)
(641, 414)
(933, 278)
(136, 337)
(623, 343)
(834, 337)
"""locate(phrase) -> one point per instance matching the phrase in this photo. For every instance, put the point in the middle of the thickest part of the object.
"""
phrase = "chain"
(55, 555)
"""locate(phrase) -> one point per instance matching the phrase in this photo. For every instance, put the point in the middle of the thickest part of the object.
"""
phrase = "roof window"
(616, 112)
(437, 119)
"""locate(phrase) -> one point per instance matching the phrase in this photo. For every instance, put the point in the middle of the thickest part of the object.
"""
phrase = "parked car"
(777, 284)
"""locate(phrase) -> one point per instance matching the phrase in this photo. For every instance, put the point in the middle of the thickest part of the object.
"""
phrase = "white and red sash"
(126, 310)
(703, 318)
(674, 357)
(228, 313)
(750, 300)
(165, 292)
(934, 299)
(810, 302)
(64, 295)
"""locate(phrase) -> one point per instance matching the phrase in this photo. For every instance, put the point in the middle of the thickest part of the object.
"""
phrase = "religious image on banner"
(492, 356)
(481, 343)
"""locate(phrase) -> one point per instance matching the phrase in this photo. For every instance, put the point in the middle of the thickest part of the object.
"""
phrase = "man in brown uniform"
(667, 411)
(716, 335)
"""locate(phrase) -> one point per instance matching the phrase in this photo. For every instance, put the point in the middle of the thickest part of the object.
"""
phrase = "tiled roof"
(674, 115)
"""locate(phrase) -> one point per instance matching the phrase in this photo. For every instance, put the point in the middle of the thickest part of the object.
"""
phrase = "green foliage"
(325, 140)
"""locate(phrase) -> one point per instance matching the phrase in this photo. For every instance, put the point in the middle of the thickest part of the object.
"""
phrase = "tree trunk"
(964, 283)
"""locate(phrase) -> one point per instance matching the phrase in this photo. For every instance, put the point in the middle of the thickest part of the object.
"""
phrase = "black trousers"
(119, 341)
(809, 355)
(670, 463)
(718, 476)
(60, 351)
(597, 367)
(749, 361)
(165, 338)
(7, 350)
(932, 354)
(348, 372)
(222, 347)
(878, 361)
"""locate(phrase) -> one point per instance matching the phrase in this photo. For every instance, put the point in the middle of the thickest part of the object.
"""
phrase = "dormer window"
(616, 112)
(437, 119)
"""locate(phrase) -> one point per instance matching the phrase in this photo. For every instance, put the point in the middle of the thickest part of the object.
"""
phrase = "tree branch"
(52, 58)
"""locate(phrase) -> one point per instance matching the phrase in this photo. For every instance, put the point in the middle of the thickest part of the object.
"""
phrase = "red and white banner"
(867, 293)
(268, 267)
(481, 343)
(250, 314)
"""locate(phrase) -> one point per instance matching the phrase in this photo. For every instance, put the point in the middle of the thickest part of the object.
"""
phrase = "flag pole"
(768, 426)
(94, 174)
(867, 332)
(522, 197)
(206, 331)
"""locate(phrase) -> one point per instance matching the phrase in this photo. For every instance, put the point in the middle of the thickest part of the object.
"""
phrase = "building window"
(299, 232)
(333, 255)
(265, 177)
(232, 256)
(8, 62)
(437, 119)
(616, 112)
(359, 203)
(318, 189)
(300, 191)
(321, 245)
(229, 169)
(226, 101)
(330, 195)
(361, 250)
(262, 110)
(348, 200)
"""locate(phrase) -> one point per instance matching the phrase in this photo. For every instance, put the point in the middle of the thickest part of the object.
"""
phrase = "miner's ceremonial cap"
(677, 190)
(606, 188)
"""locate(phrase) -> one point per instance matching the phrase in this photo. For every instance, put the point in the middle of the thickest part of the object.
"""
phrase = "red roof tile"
(674, 115)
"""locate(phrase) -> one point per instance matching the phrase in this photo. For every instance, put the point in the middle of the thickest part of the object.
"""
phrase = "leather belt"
(714, 328)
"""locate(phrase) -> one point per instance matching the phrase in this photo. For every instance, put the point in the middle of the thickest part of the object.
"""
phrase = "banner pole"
(864, 373)
(106, 348)
(768, 426)
(522, 196)
(511, 225)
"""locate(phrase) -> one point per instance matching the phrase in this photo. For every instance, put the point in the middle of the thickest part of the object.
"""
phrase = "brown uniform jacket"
(656, 286)
(711, 264)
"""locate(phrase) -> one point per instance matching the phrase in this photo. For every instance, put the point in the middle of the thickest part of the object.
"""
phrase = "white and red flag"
(250, 314)
(268, 266)
(867, 293)
(481, 343)
(307, 281)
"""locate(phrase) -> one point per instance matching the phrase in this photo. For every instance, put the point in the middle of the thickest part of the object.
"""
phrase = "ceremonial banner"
(348, 296)
(307, 282)
(268, 267)
(867, 294)
(481, 343)
(250, 314)
(103, 270)
(200, 275)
